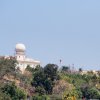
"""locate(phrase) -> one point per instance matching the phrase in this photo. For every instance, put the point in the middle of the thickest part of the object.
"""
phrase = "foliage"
(4, 96)
(43, 97)
(30, 69)
(55, 97)
(61, 86)
(7, 66)
(80, 69)
(65, 69)
(45, 77)
(38, 78)
(13, 91)
(51, 71)
(40, 90)
(46, 83)
(70, 93)
(91, 93)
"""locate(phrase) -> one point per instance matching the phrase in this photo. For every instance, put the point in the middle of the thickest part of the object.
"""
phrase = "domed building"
(21, 58)
(23, 61)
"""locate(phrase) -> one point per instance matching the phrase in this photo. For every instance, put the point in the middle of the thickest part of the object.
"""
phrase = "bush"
(55, 97)
(4, 96)
(14, 92)
(40, 90)
(43, 97)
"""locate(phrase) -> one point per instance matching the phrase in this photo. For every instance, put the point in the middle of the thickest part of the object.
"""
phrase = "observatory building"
(21, 58)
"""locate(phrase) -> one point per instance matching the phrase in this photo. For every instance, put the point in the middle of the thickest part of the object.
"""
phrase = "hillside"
(47, 83)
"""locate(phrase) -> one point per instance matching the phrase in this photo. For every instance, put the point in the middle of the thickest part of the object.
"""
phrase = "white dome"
(20, 47)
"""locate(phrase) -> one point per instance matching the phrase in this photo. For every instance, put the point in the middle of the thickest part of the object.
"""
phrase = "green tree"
(45, 77)
(43, 97)
(30, 69)
(65, 68)
(13, 91)
(38, 78)
(7, 66)
(51, 71)
(80, 69)
(93, 93)
(90, 93)
(48, 85)
(40, 90)
(4, 96)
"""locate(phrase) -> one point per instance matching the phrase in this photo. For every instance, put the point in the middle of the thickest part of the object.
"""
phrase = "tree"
(4, 96)
(48, 85)
(80, 69)
(51, 71)
(65, 68)
(43, 97)
(70, 95)
(13, 91)
(93, 93)
(7, 66)
(40, 90)
(90, 93)
(30, 69)
(45, 77)
(38, 78)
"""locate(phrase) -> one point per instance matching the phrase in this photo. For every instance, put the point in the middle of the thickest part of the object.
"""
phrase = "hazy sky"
(53, 30)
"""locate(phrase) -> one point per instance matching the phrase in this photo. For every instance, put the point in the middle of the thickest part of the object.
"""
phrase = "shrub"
(43, 97)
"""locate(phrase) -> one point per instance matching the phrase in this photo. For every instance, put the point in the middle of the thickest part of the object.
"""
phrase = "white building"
(23, 61)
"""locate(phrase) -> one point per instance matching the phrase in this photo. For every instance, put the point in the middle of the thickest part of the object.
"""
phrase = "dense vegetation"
(46, 83)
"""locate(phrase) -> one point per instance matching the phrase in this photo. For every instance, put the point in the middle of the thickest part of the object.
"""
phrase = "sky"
(52, 30)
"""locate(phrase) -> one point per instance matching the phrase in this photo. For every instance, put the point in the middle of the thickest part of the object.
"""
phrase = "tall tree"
(44, 78)
(51, 71)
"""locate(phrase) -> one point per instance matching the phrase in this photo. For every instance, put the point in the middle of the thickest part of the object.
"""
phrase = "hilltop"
(47, 82)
